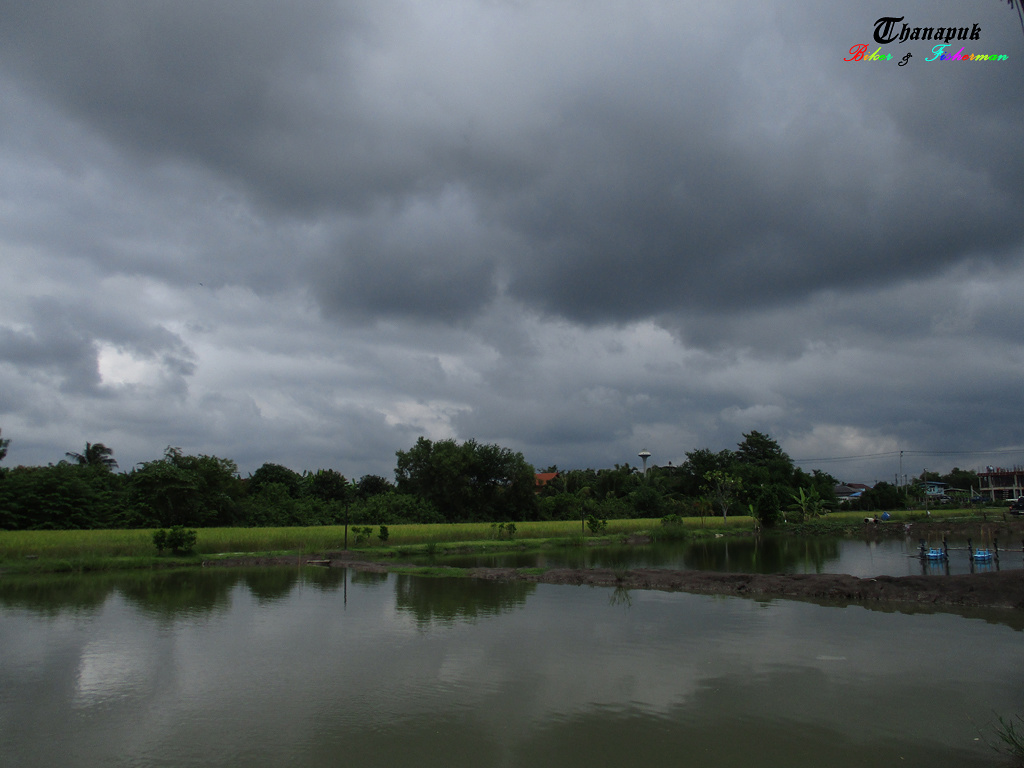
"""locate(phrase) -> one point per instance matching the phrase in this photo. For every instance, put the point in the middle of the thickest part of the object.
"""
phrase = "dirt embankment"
(998, 589)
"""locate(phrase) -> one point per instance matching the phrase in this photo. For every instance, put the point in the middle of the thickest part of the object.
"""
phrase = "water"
(767, 554)
(283, 667)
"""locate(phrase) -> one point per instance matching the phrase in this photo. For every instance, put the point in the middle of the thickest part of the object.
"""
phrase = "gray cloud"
(310, 234)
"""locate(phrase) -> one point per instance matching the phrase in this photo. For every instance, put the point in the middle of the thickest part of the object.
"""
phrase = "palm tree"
(96, 455)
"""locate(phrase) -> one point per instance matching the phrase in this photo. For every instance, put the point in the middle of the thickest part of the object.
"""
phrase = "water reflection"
(620, 596)
(283, 671)
(449, 600)
(163, 593)
(764, 554)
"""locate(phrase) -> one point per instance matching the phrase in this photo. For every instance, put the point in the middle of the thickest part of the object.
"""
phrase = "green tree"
(96, 455)
(61, 496)
(647, 502)
(327, 485)
(723, 489)
(180, 489)
(807, 503)
(884, 496)
(617, 483)
(759, 450)
(275, 473)
(394, 508)
(690, 478)
(373, 485)
(3, 446)
(960, 479)
(468, 482)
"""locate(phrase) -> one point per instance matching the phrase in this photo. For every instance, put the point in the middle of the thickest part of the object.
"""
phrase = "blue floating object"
(983, 554)
(936, 554)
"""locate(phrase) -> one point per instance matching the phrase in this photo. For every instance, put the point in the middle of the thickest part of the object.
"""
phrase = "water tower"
(644, 456)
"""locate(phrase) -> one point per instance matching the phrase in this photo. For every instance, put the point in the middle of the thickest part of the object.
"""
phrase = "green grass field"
(111, 549)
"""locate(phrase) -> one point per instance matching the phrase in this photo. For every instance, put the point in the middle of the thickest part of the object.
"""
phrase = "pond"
(766, 554)
(289, 667)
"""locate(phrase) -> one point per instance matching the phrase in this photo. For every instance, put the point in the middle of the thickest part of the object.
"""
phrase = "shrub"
(672, 527)
(596, 524)
(498, 530)
(179, 540)
(383, 535)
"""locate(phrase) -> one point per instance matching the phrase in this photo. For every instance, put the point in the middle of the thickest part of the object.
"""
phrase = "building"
(850, 491)
(934, 490)
(540, 479)
(999, 484)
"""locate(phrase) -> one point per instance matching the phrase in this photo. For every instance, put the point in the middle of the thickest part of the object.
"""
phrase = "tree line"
(435, 482)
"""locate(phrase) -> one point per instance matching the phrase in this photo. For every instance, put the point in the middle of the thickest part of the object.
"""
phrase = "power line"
(910, 453)
(847, 458)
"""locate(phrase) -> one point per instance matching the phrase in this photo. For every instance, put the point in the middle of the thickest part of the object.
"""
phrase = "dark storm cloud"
(427, 262)
(309, 233)
(54, 347)
(62, 338)
(656, 172)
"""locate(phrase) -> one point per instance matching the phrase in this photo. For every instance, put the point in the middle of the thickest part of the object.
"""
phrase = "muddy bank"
(1000, 589)
(1003, 589)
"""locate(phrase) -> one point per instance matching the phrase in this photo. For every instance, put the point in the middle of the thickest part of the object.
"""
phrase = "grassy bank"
(62, 551)
(113, 549)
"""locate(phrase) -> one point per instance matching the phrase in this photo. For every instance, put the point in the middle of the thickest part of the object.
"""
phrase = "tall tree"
(760, 450)
(373, 485)
(468, 482)
(96, 455)
(691, 475)
(327, 485)
(268, 474)
(722, 487)
(180, 489)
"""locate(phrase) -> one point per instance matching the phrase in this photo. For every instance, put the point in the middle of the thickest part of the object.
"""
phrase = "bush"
(672, 528)
(647, 502)
(362, 533)
(498, 530)
(596, 524)
(179, 540)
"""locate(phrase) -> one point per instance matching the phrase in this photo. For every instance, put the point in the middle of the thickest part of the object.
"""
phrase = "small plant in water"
(620, 596)
(1012, 738)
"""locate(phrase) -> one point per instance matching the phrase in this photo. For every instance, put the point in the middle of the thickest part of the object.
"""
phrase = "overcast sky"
(310, 232)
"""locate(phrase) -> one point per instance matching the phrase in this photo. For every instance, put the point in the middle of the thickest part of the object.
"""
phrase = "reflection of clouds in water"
(110, 670)
(468, 665)
(267, 683)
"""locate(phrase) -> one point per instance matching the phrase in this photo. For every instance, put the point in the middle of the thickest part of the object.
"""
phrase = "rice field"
(19, 546)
